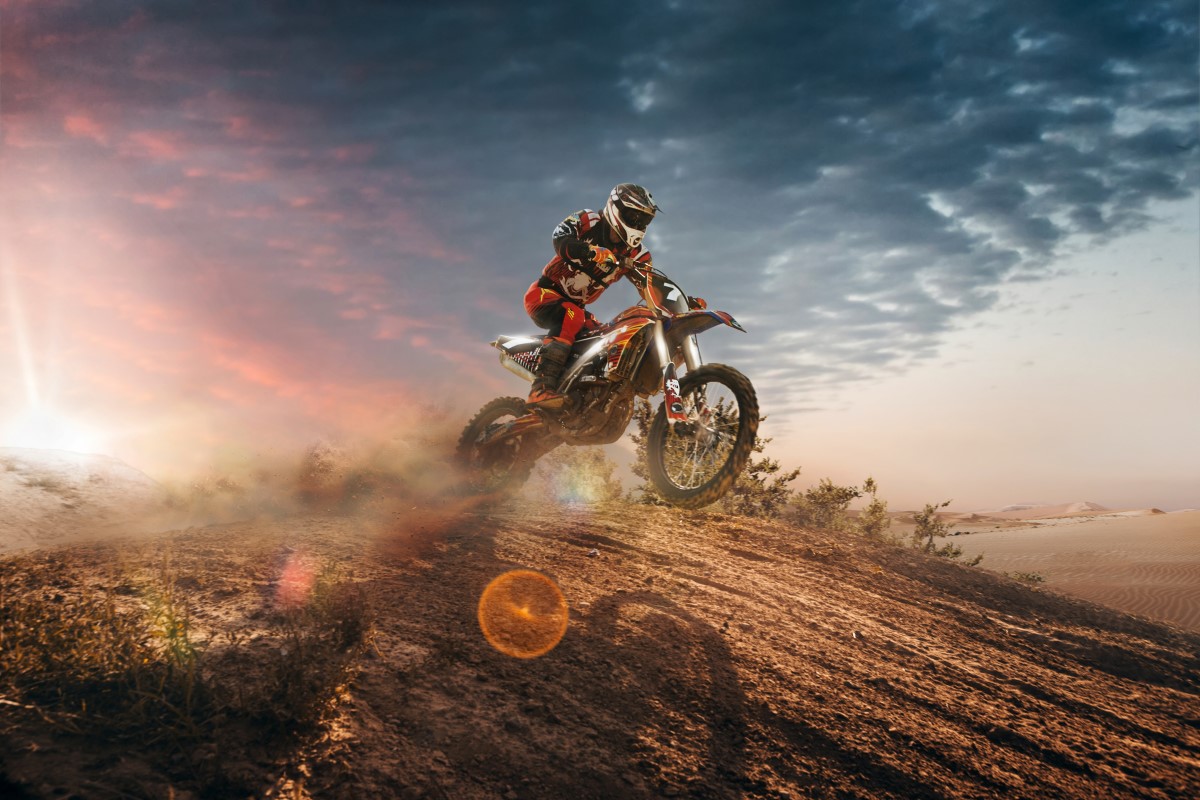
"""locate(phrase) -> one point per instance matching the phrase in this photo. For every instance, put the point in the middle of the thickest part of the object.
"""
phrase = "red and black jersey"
(573, 272)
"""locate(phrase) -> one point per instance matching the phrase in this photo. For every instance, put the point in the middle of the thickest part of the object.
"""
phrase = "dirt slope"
(706, 656)
(49, 496)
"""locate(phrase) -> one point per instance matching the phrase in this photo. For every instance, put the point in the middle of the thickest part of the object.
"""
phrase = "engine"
(596, 412)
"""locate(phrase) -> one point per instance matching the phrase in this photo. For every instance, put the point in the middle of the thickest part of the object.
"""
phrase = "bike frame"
(674, 325)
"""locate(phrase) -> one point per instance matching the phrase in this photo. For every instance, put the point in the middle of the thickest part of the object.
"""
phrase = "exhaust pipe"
(510, 364)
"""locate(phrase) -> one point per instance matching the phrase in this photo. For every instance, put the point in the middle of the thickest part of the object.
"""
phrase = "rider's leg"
(564, 320)
(551, 361)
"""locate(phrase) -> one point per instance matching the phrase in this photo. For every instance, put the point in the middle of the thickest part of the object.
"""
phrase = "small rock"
(857, 634)
(205, 752)
(629, 777)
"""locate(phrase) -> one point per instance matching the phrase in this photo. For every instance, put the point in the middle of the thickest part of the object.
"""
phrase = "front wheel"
(695, 463)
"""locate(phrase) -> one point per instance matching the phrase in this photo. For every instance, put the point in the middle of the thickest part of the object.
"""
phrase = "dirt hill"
(705, 656)
(54, 495)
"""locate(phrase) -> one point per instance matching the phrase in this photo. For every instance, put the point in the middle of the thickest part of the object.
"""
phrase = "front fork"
(691, 357)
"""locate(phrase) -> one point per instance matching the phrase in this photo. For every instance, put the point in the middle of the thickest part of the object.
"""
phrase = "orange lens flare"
(523, 614)
(296, 582)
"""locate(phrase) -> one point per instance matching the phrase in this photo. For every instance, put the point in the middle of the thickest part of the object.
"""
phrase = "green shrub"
(930, 527)
(824, 506)
(874, 521)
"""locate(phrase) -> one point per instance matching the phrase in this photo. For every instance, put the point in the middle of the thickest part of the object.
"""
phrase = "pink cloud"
(251, 173)
(251, 212)
(119, 388)
(158, 145)
(163, 201)
(82, 126)
(18, 133)
(155, 359)
(392, 327)
(256, 173)
(237, 127)
(498, 303)
(256, 366)
(354, 153)
(222, 108)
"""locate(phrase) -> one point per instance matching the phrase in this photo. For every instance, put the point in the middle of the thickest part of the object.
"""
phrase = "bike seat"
(594, 333)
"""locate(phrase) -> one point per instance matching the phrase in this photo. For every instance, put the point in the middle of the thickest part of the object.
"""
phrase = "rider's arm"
(571, 247)
(638, 268)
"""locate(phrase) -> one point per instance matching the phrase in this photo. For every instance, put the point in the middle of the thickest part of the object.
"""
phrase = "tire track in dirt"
(710, 656)
(715, 657)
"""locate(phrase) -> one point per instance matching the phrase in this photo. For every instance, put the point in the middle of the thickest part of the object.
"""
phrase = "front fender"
(698, 321)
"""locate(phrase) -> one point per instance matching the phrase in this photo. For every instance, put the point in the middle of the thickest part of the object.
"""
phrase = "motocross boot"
(553, 358)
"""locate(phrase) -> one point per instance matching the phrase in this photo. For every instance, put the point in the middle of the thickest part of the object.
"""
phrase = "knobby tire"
(656, 441)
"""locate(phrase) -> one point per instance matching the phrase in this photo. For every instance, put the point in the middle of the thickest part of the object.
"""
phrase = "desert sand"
(1141, 562)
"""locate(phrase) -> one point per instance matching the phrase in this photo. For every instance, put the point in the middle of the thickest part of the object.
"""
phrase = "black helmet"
(628, 211)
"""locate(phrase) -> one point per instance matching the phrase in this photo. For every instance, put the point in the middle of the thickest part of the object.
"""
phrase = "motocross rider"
(592, 251)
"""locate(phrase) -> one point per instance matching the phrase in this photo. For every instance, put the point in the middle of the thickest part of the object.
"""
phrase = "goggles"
(635, 218)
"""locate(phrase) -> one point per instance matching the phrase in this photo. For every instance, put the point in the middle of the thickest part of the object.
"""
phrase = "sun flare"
(46, 430)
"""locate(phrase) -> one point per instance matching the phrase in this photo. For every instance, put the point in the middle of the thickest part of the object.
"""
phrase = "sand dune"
(1041, 511)
(1143, 562)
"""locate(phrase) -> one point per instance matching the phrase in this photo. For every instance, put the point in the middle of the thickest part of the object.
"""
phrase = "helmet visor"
(635, 218)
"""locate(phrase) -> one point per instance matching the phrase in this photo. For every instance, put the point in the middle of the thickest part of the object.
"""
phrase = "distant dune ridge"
(52, 495)
(1039, 510)
(1142, 560)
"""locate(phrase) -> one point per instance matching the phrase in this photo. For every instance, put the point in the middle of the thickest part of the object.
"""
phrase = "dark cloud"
(852, 179)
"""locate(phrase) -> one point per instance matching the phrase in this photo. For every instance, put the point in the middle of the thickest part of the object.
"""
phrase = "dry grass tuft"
(83, 656)
(118, 658)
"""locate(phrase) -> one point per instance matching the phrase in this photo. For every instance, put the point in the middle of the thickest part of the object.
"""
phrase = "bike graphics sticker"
(619, 346)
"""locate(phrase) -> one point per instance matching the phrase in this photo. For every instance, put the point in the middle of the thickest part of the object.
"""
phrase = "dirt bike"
(701, 435)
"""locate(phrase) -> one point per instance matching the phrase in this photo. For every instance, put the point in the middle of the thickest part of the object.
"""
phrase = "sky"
(962, 236)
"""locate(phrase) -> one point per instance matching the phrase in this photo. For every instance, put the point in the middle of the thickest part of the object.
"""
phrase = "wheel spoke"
(691, 461)
(490, 465)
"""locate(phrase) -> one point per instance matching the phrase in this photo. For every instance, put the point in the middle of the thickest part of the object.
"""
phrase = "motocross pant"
(548, 308)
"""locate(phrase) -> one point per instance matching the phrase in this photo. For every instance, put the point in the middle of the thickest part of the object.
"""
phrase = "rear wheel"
(496, 466)
(695, 463)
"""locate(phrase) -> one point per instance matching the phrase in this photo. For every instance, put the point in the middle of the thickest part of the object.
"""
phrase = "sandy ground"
(705, 656)
(51, 496)
(1144, 564)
